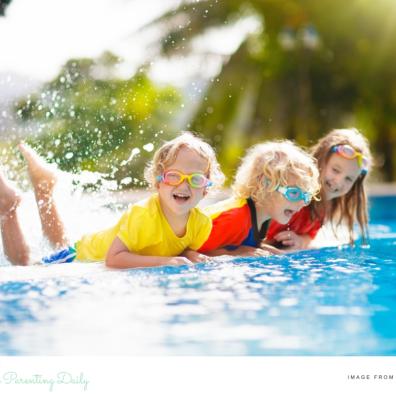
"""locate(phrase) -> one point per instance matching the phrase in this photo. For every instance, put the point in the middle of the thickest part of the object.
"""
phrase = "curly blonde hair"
(269, 165)
(167, 153)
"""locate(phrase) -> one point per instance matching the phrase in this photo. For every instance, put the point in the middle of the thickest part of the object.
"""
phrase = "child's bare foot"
(42, 176)
(9, 197)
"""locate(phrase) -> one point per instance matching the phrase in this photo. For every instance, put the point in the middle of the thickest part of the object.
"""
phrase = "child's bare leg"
(43, 180)
(14, 244)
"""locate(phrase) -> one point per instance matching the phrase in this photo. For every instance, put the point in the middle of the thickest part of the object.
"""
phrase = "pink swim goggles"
(348, 152)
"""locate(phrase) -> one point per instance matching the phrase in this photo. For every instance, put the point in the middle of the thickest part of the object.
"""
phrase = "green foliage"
(3, 5)
(315, 65)
(89, 120)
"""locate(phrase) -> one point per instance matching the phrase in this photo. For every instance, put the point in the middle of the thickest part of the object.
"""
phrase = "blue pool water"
(328, 301)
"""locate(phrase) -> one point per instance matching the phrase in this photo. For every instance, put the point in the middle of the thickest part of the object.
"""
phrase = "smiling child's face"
(179, 200)
(338, 176)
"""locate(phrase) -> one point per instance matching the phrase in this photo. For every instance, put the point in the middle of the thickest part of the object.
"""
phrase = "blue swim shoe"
(62, 256)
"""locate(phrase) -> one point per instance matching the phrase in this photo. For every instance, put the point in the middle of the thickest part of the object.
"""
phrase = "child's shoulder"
(225, 205)
(149, 205)
(199, 215)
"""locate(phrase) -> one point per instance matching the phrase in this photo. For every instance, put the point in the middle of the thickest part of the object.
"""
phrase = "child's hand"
(270, 249)
(195, 257)
(177, 261)
(258, 252)
(292, 241)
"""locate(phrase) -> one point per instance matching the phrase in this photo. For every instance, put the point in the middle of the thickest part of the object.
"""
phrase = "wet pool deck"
(382, 189)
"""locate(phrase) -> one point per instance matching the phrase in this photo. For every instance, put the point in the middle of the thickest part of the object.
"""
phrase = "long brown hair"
(352, 206)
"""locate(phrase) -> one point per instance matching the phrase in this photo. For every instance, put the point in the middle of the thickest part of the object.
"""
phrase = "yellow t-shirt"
(144, 229)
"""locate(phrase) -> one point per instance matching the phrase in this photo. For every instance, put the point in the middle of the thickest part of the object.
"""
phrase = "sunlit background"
(98, 85)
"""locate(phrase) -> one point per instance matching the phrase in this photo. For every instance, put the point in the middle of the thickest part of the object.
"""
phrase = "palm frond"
(190, 20)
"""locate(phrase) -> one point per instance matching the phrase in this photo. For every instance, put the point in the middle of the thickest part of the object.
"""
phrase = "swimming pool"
(321, 302)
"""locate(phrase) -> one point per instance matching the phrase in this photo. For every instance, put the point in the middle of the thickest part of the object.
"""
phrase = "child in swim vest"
(153, 232)
(344, 161)
(274, 181)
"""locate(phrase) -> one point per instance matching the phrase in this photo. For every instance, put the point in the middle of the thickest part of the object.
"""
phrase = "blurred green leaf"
(313, 66)
(91, 123)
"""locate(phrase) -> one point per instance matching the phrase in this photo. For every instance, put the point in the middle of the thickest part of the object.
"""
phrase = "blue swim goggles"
(294, 194)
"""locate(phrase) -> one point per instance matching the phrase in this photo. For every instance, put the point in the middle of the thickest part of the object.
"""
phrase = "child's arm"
(120, 257)
(292, 241)
(241, 251)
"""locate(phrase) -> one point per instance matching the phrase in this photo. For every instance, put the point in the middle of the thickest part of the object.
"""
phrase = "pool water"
(327, 301)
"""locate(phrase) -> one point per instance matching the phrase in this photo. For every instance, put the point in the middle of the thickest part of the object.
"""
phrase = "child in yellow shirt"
(153, 232)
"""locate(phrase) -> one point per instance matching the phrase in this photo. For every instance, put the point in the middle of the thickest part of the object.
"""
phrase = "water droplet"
(126, 180)
(148, 147)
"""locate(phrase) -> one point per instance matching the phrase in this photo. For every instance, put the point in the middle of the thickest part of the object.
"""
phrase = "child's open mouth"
(181, 197)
